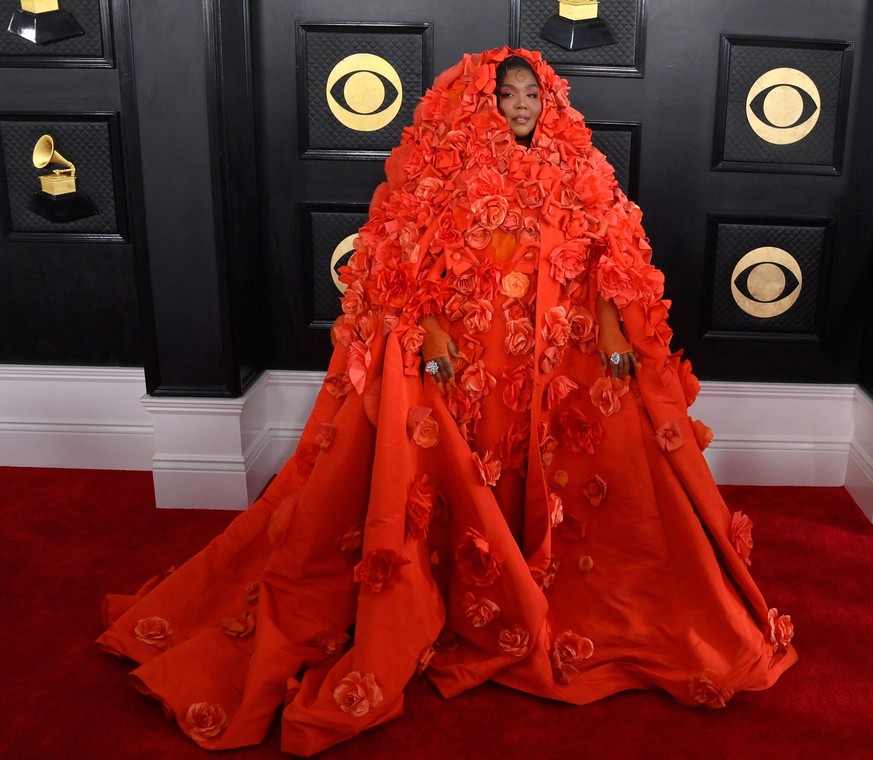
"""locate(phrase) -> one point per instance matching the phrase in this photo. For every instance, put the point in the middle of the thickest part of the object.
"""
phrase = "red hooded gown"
(538, 523)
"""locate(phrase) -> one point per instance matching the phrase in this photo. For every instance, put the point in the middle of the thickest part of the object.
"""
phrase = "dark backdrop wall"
(231, 149)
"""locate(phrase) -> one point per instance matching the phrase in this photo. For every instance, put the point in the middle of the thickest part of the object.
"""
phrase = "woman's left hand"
(625, 365)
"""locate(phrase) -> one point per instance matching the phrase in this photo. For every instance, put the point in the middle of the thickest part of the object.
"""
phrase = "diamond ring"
(615, 358)
(431, 367)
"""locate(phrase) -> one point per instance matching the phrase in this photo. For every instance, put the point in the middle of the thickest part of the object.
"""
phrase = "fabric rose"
(476, 381)
(337, 386)
(488, 468)
(491, 210)
(568, 261)
(154, 631)
(781, 629)
(305, 456)
(352, 539)
(325, 436)
(514, 641)
(354, 300)
(708, 690)
(606, 395)
(568, 652)
(206, 721)
(702, 434)
(548, 446)
(379, 570)
(550, 359)
(419, 505)
(242, 626)
(582, 329)
(556, 510)
(477, 238)
(514, 285)
(669, 436)
(518, 392)
(476, 563)
(550, 572)
(513, 446)
(331, 642)
(479, 611)
(740, 533)
(559, 479)
(690, 383)
(556, 327)
(595, 490)
(581, 432)
(520, 337)
(422, 428)
(357, 694)
(477, 316)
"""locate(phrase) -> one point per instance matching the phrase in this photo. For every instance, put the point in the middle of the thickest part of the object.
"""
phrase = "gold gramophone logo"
(58, 200)
(42, 22)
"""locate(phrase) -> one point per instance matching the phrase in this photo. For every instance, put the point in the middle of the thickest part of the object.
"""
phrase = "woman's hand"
(615, 351)
(437, 350)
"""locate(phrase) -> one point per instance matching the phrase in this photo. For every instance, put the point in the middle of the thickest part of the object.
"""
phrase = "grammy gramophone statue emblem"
(42, 21)
(577, 26)
(58, 200)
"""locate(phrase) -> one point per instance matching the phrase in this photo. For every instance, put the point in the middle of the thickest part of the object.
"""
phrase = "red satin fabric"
(536, 523)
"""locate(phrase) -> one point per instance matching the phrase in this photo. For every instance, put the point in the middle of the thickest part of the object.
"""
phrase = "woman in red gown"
(499, 480)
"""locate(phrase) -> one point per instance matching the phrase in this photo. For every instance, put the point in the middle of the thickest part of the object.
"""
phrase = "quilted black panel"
(328, 228)
(324, 49)
(807, 244)
(747, 64)
(617, 146)
(622, 17)
(86, 144)
(89, 45)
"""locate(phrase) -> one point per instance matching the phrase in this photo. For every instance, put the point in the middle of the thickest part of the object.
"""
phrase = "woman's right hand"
(437, 346)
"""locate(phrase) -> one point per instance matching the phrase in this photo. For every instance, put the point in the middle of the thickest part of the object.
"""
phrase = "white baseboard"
(220, 453)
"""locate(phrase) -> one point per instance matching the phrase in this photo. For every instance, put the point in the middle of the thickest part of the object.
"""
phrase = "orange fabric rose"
(487, 467)
(568, 653)
(581, 432)
(740, 533)
(325, 436)
(423, 429)
(477, 316)
(708, 690)
(556, 510)
(479, 612)
(357, 694)
(518, 391)
(476, 563)
(515, 285)
(419, 505)
(669, 436)
(476, 381)
(595, 490)
(568, 261)
(154, 631)
(781, 629)
(604, 397)
(514, 641)
(556, 327)
(242, 626)
(206, 721)
(520, 337)
(380, 569)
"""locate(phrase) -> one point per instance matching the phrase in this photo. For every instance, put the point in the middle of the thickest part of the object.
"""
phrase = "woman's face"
(518, 99)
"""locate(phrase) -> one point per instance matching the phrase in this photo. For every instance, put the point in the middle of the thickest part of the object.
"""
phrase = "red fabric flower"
(242, 626)
(550, 573)
(488, 468)
(477, 316)
(422, 428)
(556, 510)
(512, 447)
(708, 690)
(479, 611)
(476, 381)
(568, 261)
(556, 327)
(582, 330)
(352, 539)
(568, 652)
(325, 436)
(669, 436)
(252, 592)
(518, 392)
(206, 721)
(595, 490)
(514, 641)
(305, 457)
(520, 337)
(581, 432)
(515, 285)
(357, 694)
(548, 446)
(154, 631)
(337, 386)
(419, 505)
(741, 535)
(331, 642)
(781, 629)
(476, 563)
(690, 383)
(604, 396)
(702, 434)
(379, 570)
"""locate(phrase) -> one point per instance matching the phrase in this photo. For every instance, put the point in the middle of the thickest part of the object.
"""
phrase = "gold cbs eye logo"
(364, 92)
(783, 106)
(766, 282)
(340, 257)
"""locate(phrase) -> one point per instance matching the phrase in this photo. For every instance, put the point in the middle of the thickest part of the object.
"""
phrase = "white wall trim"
(219, 453)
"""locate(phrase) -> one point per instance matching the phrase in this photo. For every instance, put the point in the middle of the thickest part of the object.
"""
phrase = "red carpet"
(68, 536)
